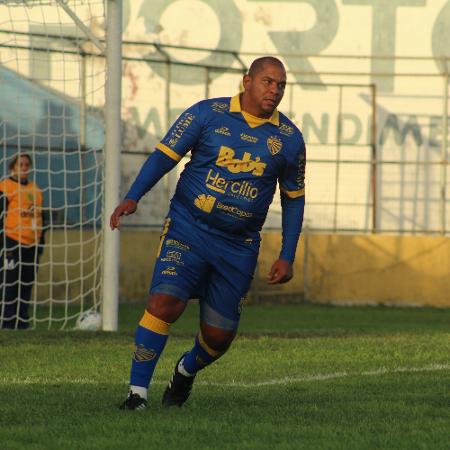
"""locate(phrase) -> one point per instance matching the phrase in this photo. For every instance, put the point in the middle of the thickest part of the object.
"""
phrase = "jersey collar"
(253, 121)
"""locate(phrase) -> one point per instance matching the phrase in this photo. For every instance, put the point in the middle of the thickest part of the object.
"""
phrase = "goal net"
(52, 86)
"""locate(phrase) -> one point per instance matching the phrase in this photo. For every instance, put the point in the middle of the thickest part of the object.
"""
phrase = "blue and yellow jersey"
(236, 161)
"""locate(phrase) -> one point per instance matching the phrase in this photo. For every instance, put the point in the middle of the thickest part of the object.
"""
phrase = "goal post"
(113, 142)
(60, 79)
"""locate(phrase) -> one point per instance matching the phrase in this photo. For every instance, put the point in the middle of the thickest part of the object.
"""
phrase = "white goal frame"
(111, 49)
(113, 144)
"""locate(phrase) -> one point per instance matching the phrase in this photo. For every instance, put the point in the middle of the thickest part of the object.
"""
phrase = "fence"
(377, 141)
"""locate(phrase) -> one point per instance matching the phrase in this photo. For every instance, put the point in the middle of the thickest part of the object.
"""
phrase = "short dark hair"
(16, 158)
(259, 63)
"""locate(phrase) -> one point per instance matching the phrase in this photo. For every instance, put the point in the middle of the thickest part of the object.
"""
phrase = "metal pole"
(306, 285)
(338, 157)
(83, 109)
(171, 178)
(82, 172)
(207, 81)
(373, 166)
(92, 37)
(444, 153)
(111, 240)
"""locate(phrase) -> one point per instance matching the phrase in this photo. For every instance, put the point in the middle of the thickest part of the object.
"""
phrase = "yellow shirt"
(23, 221)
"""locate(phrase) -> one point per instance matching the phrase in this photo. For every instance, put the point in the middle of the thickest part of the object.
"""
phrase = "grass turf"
(297, 377)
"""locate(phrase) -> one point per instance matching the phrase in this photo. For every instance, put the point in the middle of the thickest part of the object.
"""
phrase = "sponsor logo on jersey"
(181, 125)
(235, 165)
(170, 270)
(27, 212)
(238, 189)
(220, 107)
(9, 262)
(177, 244)
(301, 171)
(274, 144)
(248, 138)
(205, 202)
(174, 257)
(234, 211)
(142, 354)
(223, 130)
(286, 129)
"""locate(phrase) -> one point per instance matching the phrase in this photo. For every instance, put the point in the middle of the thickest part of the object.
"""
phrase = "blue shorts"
(192, 263)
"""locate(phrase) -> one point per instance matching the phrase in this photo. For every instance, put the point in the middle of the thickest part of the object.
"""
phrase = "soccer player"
(240, 148)
(21, 242)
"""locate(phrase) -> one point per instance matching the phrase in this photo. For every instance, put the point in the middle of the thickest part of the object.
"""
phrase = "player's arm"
(292, 189)
(154, 168)
(181, 137)
(45, 215)
(3, 210)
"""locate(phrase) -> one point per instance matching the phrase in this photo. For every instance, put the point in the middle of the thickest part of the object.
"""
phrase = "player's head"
(264, 86)
(20, 166)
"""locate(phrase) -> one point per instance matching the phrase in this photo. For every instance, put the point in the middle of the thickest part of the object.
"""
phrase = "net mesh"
(52, 80)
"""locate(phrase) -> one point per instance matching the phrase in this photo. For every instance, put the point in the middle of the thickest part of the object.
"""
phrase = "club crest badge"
(274, 144)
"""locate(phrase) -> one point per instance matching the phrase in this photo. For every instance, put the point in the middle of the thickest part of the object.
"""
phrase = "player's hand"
(281, 272)
(125, 208)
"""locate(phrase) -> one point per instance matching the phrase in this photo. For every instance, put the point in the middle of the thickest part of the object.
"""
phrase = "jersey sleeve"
(3, 209)
(292, 180)
(181, 137)
(183, 134)
(292, 191)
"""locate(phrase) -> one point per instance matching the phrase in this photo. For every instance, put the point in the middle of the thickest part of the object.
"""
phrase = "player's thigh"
(228, 284)
(29, 264)
(12, 261)
(180, 267)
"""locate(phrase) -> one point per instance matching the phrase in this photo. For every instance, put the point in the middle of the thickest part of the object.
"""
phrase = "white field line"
(274, 382)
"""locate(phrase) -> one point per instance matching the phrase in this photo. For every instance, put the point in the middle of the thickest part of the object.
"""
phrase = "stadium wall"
(330, 268)
(336, 268)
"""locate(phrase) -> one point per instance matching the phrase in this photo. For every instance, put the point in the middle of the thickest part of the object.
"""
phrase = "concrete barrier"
(329, 268)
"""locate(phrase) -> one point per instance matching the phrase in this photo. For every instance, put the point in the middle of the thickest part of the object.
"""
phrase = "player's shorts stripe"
(213, 318)
(154, 324)
(163, 235)
(207, 348)
(293, 194)
(168, 152)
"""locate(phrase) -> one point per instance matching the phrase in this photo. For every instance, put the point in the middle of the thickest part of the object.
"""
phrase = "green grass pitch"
(297, 377)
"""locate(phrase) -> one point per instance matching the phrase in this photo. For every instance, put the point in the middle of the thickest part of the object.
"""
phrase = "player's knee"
(216, 338)
(165, 307)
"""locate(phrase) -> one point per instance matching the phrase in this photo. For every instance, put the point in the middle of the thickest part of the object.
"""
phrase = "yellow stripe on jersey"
(163, 236)
(154, 324)
(293, 194)
(168, 152)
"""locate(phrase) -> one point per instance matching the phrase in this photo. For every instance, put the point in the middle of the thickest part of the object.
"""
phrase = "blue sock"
(150, 339)
(200, 356)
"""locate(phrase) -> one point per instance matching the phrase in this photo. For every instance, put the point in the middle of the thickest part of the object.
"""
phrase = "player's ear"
(246, 81)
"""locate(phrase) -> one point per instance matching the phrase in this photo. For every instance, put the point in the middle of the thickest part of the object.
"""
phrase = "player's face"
(264, 90)
(22, 168)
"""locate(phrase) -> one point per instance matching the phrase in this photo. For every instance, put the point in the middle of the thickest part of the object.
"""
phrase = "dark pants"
(17, 275)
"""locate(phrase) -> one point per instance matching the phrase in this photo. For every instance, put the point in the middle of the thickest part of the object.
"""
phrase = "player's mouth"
(271, 101)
